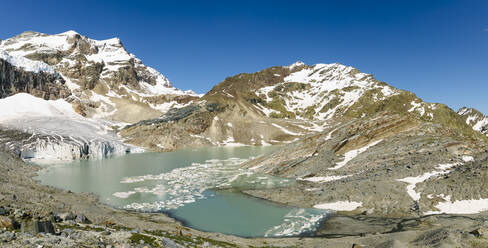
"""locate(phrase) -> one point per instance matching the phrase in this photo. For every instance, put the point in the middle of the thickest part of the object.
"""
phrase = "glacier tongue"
(48, 149)
(54, 131)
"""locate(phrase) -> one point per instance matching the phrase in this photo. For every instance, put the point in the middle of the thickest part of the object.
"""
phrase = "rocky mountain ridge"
(282, 104)
(474, 118)
(105, 80)
(278, 105)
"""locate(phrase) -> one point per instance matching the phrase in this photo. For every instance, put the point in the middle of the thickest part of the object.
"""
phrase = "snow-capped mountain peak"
(296, 64)
(475, 119)
(99, 71)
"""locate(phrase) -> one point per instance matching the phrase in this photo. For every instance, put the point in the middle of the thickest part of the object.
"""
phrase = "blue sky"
(436, 49)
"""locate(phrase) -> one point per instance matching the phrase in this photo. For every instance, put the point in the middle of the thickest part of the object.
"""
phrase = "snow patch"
(284, 130)
(472, 206)
(340, 205)
(348, 156)
(27, 64)
(412, 181)
(323, 179)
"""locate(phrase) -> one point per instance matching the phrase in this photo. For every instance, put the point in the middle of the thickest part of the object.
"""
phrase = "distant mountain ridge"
(475, 118)
(277, 105)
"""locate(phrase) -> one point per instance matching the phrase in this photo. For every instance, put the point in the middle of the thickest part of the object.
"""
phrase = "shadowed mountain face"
(45, 85)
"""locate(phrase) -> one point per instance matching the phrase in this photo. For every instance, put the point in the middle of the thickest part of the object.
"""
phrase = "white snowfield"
(324, 79)
(68, 133)
(472, 206)
(26, 64)
(412, 181)
(340, 205)
(323, 179)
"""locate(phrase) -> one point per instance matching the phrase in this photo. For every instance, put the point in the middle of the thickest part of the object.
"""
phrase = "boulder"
(67, 216)
(6, 222)
(82, 219)
(480, 232)
(7, 236)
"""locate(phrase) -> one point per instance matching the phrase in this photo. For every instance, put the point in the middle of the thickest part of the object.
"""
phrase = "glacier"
(57, 132)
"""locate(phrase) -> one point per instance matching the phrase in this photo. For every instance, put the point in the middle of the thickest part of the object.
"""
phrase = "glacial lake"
(195, 186)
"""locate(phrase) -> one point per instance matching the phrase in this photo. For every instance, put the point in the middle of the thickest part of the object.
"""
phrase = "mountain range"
(350, 142)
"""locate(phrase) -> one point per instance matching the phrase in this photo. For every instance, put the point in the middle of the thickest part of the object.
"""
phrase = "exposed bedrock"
(44, 85)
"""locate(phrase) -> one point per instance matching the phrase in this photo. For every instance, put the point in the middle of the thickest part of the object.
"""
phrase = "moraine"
(197, 186)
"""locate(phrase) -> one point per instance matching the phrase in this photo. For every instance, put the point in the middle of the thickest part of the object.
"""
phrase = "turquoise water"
(196, 186)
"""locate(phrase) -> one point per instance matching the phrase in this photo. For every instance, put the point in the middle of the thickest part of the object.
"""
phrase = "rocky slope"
(282, 104)
(389, 165)
(32, 215)
(475, 119)
(105, 80)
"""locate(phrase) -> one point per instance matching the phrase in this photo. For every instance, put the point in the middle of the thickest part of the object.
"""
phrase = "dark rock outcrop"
(43, 227)
(44, 85)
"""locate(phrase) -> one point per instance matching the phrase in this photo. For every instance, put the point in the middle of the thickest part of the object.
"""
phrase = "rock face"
(106, 81)
(475, 119)
(282, 104)
(42, 84)
(43, 227)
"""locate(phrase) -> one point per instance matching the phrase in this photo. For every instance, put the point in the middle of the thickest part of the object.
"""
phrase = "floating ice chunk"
(298, 221)
(123, 195)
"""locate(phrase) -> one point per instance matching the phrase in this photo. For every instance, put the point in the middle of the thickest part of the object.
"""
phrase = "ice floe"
(188, 184)
(298, 221)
